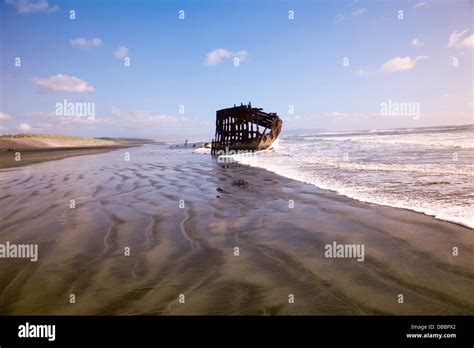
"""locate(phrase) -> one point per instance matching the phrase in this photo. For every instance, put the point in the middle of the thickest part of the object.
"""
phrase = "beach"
(157, 235)
(32, 156)
(23, 150)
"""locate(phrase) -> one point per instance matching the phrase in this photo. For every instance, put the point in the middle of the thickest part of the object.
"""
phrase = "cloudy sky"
(161, 69)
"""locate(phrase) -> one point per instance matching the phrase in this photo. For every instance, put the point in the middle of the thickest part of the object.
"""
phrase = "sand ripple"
(189, 249)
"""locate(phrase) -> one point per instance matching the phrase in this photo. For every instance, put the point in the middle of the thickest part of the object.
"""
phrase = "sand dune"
(36, 148)
(49, 141)
(42, 141)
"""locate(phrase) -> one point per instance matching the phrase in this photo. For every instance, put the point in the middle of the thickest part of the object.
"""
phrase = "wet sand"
(189, 249)
(32, 156)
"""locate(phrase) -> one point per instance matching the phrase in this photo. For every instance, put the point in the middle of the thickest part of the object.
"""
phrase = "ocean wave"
(395, 167)
(416, 130)
(414, 169)
(455, 214)
(463, 144)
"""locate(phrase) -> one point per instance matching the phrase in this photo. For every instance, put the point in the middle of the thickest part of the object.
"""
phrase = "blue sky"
(284, 64)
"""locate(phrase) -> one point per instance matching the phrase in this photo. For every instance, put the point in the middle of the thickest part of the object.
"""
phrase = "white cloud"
(59, 121)
(27, 6)
(216, 56)
(148, 124)
(63, 83)
(5, 117)
(121, 52)
(85, 43)
(151, 118)
(458, 39)
(469, 41)
(400, 64)
(40, 114)
(422, 4)
(417, 43)
(24, 127)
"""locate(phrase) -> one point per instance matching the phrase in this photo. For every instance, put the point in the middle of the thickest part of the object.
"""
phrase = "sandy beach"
(31, 156)
(41, 148)
(181, 214)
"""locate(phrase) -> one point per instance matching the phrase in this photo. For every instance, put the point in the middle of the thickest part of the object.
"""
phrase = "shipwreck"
(244, 128)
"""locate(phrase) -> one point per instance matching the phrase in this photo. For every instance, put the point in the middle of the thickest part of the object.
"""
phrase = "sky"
(160, 69)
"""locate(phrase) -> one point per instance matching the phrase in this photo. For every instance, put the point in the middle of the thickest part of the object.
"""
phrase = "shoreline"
(40, 155)
(190, 250)
(428, 208)
(426, 212)
(460, 224)
(449, 220)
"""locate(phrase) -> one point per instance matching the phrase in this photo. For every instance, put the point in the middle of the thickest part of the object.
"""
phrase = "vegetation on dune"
(47, 136)
(73, 137)
(128, 140)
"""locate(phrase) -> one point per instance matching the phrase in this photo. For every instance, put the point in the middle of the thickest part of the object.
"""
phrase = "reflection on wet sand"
(181, 215)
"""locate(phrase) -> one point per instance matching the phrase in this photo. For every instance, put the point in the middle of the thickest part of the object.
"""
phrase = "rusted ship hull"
(243, 128)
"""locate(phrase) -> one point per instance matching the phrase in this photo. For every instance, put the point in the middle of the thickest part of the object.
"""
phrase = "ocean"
(428, 170)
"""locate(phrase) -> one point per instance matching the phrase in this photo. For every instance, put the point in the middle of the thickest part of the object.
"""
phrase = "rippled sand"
(190, 250)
